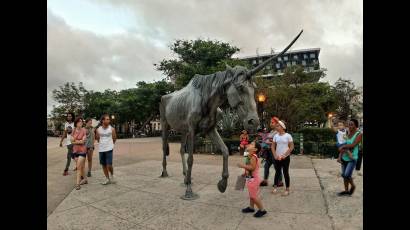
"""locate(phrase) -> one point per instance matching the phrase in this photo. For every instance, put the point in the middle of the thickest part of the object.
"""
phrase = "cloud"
(77, 55)
(100, 62)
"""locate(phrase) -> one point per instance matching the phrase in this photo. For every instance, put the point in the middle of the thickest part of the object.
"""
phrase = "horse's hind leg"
(165, 146)
(182, 151)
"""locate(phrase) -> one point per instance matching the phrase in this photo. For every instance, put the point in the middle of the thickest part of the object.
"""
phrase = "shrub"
(318, 134)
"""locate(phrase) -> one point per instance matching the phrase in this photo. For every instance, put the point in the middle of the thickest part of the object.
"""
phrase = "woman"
(252, 183)
(90, 144)
(350, 155)
(282, 147)
(244, 138)
(78, 140)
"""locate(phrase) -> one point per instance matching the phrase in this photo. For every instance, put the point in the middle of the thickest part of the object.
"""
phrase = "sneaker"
(89, 174)
(112, 181)
(65, 173)
(83, 181)
(285, 193)
(107, 181)
(260, 213)
(263, 183)
(280, 184)
(248, 210)
(344, 193)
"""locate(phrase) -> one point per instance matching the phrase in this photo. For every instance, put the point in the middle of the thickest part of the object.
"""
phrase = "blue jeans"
(347, 168)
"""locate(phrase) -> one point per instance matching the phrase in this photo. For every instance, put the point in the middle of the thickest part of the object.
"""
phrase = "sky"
(113, 44)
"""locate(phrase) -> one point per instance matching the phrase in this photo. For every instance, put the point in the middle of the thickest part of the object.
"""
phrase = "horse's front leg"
(217, 140)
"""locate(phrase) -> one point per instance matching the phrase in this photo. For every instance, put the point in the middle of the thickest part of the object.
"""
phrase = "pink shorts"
(253, 187)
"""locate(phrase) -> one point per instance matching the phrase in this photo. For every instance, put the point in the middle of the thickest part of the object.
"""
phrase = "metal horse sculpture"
(194, 109)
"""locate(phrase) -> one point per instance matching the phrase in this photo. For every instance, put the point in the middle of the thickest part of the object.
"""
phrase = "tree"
(197, 57)
(297, 97)
(70, 98)
(348, 98)
(98, 103)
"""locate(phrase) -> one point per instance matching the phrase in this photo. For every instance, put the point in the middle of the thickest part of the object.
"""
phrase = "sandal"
(275, 191)
(285, 193)
(77, 187)
(83, 182)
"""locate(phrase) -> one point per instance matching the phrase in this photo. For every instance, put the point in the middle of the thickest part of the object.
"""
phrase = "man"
(106, 137)
(269, 157)
(68, 128)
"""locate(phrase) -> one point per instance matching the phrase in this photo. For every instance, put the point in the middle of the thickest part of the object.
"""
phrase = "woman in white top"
(282, 147)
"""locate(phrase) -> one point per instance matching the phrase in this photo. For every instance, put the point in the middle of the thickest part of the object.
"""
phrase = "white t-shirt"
(341, 136)
(68, 141)
(282, 143)
(106, 141)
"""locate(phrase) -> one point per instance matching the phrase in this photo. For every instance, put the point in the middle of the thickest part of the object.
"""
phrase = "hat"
(282, 124)
(274, 120)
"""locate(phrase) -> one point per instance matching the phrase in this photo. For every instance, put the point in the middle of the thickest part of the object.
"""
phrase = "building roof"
(288, 52)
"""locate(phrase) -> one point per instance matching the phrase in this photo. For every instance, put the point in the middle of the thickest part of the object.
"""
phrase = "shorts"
(106, 158)
(76, 155)
(347, 168)
(88, 148)
(253, 187)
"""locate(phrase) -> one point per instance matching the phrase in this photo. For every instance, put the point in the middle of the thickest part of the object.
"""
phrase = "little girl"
(253, 183)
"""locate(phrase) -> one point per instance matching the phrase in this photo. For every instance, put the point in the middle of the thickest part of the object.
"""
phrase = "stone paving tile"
(308, 202)
(192, 215)
(279, 220)
(69, 202)
(87, 218)
(137, 206)
(95, 192)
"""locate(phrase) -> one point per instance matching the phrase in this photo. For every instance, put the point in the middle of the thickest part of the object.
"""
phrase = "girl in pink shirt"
(253, 183)
(78, 139)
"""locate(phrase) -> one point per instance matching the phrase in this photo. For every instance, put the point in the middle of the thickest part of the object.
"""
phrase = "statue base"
(193, 196)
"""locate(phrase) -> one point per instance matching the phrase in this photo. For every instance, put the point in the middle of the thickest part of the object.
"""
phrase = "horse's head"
(241, 90)
(241, 96)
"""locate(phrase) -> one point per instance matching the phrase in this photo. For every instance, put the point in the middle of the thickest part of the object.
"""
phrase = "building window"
(288, 63)
(293, 63)
(268, 67)
(315, 61)
(279, 58)
(312, 55)
(285, 58)
(253, 61)
(295, 57)
(260, 61)
(305, 56)
(277, 65)
(303, 62)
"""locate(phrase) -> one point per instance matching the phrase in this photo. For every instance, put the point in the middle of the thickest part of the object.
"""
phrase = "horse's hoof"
(222, 185)
(164, 174)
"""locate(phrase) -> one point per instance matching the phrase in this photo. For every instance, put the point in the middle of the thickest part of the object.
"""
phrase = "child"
(341, 137)
(253, 183)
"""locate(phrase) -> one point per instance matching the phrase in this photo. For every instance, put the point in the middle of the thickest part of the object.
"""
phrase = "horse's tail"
(165, 127)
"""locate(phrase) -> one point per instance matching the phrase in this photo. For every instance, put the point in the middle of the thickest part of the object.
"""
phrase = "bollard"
(301, 143)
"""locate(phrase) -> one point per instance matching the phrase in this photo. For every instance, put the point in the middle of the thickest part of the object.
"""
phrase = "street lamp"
(261, 100)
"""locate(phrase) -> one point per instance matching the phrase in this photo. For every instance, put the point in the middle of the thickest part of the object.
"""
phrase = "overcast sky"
(114, 44)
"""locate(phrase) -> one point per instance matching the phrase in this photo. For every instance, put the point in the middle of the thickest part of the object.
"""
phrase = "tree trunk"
(146, 122)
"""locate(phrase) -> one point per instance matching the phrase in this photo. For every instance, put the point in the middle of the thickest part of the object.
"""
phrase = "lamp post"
(329, 119)
(261, 100)
(112, 118)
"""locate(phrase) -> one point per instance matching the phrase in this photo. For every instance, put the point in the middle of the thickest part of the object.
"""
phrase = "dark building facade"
(308, 58)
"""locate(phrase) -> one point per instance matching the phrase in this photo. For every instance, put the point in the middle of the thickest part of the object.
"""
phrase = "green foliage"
(69, 98)
(297, 97)
(198, 57)
(229, 124)
(348, 99)
(318, 134)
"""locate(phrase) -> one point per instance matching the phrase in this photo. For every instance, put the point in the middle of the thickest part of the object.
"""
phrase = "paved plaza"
(142, 200)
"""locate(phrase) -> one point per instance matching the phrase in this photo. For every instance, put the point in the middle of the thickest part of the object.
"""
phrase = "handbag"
(240, 182)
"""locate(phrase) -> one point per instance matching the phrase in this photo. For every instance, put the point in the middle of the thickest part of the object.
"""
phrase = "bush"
(124, 135)
(318, 134)
(328, 149)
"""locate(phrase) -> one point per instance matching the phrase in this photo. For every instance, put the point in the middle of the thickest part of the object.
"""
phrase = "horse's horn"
(261, 66)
